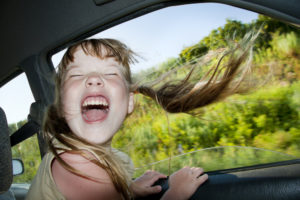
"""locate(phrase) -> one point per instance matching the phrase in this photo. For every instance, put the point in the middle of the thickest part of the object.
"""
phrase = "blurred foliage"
(267, 118)
(235, 30)
(216, 158)
(28, 152)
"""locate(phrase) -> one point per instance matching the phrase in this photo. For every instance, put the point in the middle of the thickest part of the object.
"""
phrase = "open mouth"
(94, 108)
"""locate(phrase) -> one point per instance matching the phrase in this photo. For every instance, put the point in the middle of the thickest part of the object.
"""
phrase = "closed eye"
(111, 74)
(75, 75)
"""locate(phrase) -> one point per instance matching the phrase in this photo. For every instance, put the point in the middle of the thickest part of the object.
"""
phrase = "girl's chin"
(99, 141)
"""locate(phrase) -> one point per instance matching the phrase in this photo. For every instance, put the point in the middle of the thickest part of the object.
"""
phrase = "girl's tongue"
(94, 115)
(94, 109)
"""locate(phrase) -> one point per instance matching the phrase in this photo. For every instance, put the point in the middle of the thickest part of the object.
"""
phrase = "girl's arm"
(74, 187)
(184, 183)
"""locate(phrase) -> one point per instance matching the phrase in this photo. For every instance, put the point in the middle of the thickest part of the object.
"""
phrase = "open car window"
(259, 127)
(16, 98)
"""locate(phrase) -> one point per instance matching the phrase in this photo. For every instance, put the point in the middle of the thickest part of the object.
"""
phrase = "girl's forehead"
(83, 59)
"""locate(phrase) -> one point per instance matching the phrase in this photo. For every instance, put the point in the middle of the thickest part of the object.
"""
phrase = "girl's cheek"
(122, 85)
(70, 84)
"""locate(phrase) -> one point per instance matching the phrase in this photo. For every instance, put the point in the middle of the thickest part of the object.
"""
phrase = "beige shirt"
(44, 187)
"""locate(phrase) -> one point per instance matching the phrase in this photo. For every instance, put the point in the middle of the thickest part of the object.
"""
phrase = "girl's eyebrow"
(72, 67)
(113, 66)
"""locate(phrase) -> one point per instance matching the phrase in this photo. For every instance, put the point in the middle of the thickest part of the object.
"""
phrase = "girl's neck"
(106, 145)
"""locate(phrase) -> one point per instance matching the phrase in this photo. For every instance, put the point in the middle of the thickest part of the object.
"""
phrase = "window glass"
(16, 98)
(258, 127)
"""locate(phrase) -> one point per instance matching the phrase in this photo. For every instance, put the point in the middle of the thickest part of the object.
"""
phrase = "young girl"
(94, 94)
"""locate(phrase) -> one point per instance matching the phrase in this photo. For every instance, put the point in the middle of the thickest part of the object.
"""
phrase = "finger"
(197, 172)
(157, 176)
(148, 172)
(202, 179)
(153, 190)
(160, 174)
(185, 169)
(196, 168)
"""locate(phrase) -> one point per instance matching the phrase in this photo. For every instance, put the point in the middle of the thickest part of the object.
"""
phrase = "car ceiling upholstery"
(41, 28)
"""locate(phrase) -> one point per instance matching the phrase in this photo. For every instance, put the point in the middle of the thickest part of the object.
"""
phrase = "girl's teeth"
(92, 101)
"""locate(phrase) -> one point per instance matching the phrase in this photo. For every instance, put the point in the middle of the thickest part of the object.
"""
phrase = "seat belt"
(32, 127)
(26, 131)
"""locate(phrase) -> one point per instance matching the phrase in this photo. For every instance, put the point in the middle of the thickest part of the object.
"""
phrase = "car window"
(16, 98)
(258, 127)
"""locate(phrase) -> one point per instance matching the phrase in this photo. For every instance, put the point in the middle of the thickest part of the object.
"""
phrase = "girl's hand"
(184, 183)
(142, 186)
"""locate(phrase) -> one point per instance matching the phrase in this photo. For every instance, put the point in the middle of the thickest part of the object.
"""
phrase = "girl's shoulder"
(98, 185)
(43, 185)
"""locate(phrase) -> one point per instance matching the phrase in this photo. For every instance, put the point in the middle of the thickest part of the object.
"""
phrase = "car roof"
(41, 28)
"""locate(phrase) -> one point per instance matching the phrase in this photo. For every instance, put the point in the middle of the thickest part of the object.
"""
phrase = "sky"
(155, 37)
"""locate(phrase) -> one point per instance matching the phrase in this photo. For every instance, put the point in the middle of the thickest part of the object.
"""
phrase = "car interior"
(33, 31)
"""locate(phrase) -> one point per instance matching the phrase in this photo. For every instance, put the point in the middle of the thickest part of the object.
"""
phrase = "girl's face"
(95, 97)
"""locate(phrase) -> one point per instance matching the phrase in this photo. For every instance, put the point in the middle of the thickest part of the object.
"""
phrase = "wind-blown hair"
(230, 75)
(185, 95)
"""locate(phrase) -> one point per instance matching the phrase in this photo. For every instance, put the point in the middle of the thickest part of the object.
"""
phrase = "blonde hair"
(181, 96)
(228, 76)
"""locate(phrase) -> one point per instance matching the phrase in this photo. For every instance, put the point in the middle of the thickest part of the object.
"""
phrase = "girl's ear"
(130, 103)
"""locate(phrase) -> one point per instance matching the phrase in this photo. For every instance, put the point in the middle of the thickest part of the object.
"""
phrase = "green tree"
(28, 152)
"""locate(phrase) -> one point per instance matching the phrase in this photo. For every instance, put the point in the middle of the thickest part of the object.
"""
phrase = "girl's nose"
(94, 80)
